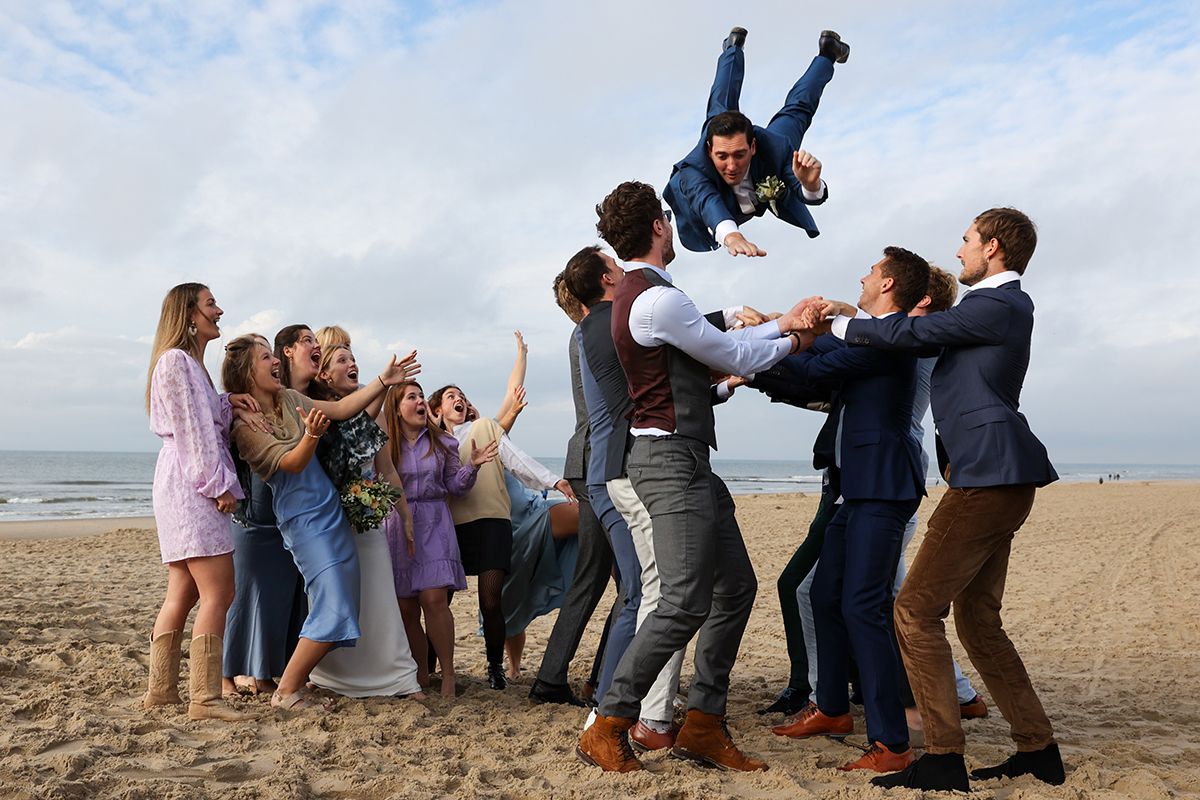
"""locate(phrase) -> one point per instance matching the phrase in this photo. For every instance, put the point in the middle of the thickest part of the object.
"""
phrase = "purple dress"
(428, 479)
(194, 466)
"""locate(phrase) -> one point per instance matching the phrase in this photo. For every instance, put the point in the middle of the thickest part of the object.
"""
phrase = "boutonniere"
(769, 190)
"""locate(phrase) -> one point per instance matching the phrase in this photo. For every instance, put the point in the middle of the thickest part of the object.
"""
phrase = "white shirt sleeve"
(838, 326)
(724, 391)
(817, 195)
(724, 229)
(527, 469)
(664, 315)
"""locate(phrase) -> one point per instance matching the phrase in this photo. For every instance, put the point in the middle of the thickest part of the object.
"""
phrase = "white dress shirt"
(664, 315)
(528, 470)
(747, 200)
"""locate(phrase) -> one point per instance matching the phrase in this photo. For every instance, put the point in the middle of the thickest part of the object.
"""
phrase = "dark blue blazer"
(880, 460)
(976, 389)
(699, 195)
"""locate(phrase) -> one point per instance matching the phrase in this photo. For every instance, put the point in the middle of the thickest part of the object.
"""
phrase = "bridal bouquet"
(368, 501)
(769, 190)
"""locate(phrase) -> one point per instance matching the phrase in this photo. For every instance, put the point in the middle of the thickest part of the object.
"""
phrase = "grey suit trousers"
(707, 581)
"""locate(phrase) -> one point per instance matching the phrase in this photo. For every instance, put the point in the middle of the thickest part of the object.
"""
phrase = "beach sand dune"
(1102, 602)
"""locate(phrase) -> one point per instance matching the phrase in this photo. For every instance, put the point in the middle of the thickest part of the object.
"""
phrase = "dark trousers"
(964, 560)
(851, 597)
(592, 571)
(797, 569)
(706, 578)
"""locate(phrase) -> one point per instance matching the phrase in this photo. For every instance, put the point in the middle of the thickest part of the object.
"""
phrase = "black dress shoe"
(548, 693)
(1046, 765)
(790, 701)
(736, 38)
(943, 772)
(832, 47)
(496, 679)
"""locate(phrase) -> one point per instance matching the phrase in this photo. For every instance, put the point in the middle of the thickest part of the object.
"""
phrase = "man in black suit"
(995, 466)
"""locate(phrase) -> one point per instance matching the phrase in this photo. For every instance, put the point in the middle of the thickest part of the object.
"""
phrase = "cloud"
(418, 173)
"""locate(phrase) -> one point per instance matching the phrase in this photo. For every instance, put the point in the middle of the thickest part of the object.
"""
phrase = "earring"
(191, 329)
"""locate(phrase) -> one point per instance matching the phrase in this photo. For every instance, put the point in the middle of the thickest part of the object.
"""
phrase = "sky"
(419, 172)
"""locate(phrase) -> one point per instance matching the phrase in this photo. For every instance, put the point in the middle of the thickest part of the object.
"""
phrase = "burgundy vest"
(670, 389)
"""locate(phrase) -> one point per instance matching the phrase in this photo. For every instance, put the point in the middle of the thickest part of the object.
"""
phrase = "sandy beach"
(1102, 602)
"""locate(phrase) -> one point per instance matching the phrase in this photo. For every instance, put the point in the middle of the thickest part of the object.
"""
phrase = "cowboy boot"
(164, 670)
(205, 681)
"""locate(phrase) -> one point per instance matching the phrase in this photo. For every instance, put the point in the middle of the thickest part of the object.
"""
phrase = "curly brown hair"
(942, 290)
(627, 219)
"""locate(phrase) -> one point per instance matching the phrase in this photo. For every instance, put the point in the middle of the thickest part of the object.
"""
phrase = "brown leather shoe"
(645, 739)
(704, 738)
(880, 759)
(975, 709)
(811, 722)
(606, 745)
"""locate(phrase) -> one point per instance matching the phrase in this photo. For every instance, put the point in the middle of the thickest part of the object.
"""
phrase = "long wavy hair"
(286, 338)
(172, 332)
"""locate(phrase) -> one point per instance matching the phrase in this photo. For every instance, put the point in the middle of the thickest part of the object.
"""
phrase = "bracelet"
(311, 435)
(381, 383)
(795, 337)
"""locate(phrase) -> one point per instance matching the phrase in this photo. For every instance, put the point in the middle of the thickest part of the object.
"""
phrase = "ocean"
(37, 485)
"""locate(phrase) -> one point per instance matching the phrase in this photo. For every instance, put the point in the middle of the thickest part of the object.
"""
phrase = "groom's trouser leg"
(793, 119)
(727, 84)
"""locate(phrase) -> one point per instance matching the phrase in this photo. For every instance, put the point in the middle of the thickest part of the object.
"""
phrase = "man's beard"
(669, 252)
(973, 274)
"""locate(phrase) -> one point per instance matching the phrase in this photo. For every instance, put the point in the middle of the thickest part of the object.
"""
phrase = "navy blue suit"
(976, 388)
(698, 194)
(881, 485)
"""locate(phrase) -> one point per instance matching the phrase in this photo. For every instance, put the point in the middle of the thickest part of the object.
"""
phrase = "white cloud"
(419, 177)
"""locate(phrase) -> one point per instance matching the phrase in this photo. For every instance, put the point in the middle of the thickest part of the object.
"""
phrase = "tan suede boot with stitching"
(164, 670)
(606, 745)
(205, 682)
(704, 738)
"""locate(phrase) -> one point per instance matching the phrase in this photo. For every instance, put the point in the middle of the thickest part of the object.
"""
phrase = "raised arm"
(516, 378)
(980, 319)
(395, 373)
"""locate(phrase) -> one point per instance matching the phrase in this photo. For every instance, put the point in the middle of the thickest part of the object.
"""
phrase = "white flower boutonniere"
(769, 190)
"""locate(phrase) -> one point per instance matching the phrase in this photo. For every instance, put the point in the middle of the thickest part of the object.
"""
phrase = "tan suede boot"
(606, 745)
(205, 681)
(164, 670)
(704, 738)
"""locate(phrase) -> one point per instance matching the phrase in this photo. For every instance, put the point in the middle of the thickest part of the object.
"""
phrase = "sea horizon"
(81, 484)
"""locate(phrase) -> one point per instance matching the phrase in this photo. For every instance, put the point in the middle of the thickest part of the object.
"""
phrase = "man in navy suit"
(995, 466)
(882, 484)
(713, 189)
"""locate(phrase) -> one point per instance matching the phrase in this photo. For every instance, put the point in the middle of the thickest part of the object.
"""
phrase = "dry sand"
(1102, 603)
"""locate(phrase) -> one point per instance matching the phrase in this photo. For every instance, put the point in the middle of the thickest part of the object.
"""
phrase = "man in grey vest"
(667, 350)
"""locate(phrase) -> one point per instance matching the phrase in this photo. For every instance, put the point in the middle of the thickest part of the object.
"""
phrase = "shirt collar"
(630, 266)
(997, 280)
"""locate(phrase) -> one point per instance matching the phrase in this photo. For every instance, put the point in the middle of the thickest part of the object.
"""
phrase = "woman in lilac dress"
(427, 565)
(195, 489)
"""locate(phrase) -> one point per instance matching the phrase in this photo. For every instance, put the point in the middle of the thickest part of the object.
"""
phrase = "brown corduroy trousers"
(964, 561)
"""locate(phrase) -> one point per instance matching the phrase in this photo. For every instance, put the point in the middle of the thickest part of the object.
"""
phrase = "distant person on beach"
(995, 465)
(195, 489)
(738, 170)
(668, 350)
(306, 504)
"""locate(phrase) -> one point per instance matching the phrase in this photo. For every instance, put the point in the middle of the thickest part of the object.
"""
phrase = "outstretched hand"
(807, 170)
(749, 317)
(518, 400)
(400, 370)
(522, 348)
(480, 457)
(737, 245)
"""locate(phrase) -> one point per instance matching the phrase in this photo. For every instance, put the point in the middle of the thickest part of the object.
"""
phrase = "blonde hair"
(239, 362)
(172, 332)
(331, 336)
(321, 389)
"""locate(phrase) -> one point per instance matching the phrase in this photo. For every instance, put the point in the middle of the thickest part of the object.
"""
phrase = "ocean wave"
(15, 501)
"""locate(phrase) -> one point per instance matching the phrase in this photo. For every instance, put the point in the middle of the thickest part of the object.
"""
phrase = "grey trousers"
(592, 571)
(706, 579)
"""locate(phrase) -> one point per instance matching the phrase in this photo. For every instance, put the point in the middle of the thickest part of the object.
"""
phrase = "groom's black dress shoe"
(790, 701)
(1046, 765)
(944, 772)
(832, 47)
(548, 693)
(736, 38)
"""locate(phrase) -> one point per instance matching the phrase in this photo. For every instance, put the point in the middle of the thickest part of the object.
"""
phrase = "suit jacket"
(575, 467)
(879, 458)
(976, 392)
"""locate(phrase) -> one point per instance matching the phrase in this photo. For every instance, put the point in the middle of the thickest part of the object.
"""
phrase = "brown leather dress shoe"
(880, 759)
(704, 738)
(811, 722)
(975, 709)
(605, 744)
(645, 739)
